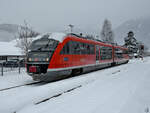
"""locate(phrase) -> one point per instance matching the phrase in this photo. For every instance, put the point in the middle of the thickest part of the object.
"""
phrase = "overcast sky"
(55, 15)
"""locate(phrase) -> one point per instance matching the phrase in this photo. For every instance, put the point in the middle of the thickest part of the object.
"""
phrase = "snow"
(9, 48)
(12, 78)
(55, 35)
(120, 89)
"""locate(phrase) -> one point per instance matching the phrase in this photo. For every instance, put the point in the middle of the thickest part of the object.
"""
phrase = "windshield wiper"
(43, 46)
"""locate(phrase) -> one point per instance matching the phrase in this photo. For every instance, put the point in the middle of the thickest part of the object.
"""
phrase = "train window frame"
(125, 51)
(105, 53)
(97, 52)
(78, 48)
(66, 49)
(117, 54)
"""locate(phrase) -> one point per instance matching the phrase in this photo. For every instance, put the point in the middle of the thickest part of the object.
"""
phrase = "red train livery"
(55, 56)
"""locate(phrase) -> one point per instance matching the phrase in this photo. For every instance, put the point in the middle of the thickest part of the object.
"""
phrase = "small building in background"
(8, 50)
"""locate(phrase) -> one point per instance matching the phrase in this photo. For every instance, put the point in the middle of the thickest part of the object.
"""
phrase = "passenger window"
(125, 51)
(83, 48)
(97, 52)
(118, 53)
(66, 49)
(106, 53)
(92, 49)
(77, 48)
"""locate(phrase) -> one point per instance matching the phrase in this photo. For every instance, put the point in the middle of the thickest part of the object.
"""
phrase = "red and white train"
(57, 55)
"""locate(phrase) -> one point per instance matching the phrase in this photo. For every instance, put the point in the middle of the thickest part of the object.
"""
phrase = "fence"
(10, 68)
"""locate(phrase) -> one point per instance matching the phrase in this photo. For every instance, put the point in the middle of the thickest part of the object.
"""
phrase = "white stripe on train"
(74, 67)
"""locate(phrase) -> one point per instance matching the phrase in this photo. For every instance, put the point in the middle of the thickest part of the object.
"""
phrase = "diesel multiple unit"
(56, 56)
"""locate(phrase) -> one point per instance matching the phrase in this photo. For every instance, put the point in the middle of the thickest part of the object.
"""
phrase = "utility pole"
(71, 27)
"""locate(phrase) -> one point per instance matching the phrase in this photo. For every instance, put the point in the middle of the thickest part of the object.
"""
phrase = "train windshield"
(39, 56)
(44, 44)
(36, 55)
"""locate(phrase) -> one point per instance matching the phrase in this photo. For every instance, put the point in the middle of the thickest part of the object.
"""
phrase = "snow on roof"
(9, 48)
(55, 36)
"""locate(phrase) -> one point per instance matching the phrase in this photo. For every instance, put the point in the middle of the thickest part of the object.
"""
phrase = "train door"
(97, 54)
(113, 53)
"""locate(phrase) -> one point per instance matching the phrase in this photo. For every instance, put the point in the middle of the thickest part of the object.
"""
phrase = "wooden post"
(2, 69)
(19, 67)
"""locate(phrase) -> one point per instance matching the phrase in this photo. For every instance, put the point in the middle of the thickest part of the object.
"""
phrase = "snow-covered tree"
(25, 35)
(107, 35)
(131, 43)
(134, 46)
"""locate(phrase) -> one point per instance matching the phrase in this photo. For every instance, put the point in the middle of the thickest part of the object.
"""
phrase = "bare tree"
(25, 36)
(107, 34)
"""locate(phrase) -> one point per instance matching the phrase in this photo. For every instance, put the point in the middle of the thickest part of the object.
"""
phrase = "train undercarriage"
(40, 72)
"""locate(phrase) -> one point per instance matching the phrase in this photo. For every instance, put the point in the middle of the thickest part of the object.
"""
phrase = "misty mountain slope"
(8, 31)
(5, 36)
(11, 28)
(140, 27)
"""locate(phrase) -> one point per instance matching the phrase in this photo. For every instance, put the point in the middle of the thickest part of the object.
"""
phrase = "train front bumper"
(51, 75)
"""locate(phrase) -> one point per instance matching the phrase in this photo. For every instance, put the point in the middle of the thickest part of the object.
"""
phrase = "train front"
(39, 56)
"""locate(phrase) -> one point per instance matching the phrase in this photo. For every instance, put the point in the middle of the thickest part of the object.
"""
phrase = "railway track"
(13, 87)
(57, 95)
(54, 96)
(48, 91)
(4, 89)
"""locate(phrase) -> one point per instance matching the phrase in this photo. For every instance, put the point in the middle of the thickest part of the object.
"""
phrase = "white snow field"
(12, 78)
(9, 48)
(120, 89)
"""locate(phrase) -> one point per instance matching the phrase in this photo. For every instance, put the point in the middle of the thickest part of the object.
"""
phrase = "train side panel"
(61, 61)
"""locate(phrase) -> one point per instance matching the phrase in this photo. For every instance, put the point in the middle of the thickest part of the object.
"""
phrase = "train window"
(118, 53)
(66, 49)
(78, 48)
(83, 48)
(106, 53)
(125, 51)
(88, 49)
(97, 52)
(92, 49)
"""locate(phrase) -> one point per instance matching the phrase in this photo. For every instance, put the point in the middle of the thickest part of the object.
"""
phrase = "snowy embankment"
(12, 78)
(121, 89)
(9, 48)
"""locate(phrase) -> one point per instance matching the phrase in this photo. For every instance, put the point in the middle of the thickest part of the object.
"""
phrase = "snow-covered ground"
(120, 89)
(12, 78)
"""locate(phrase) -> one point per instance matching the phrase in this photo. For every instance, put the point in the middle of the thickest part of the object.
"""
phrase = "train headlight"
(30, 59)
(47, 59)
(29, 50)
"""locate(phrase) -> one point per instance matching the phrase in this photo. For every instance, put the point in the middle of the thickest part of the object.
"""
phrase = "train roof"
(56, 36)
(59, 36)
(89, 39)
(98, 41)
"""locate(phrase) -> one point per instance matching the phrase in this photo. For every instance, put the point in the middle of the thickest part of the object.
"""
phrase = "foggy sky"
(55, 15)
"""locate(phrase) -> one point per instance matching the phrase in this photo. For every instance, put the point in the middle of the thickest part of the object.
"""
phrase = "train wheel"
(126, 61)
(113, 64)
(76, 71)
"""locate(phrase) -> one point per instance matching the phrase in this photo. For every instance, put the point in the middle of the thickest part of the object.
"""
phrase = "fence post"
(2, 69)
(19, 67)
